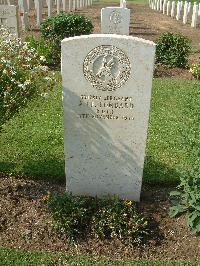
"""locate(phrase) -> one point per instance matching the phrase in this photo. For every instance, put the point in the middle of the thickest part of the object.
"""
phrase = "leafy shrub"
(21, 74)
(55, 29)
(117, 218)
(65, 25)
(103, 218)
(72, 215)
(43, 49)
(187, 199)
(173, 50)
(195, 70)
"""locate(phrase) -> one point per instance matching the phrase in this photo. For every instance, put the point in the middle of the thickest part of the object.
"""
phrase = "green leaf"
(175, 193)
(194, 221)
(175, 210)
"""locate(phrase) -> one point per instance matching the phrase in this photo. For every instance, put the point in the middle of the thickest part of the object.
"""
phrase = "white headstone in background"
(178, 12)
(189, 7)
(168, 8)
(185, 14)
(155, 4)
(181, 5)
(164, 6)
(49, 4)
(158, 5)
(38, 5)
(58, 6)
(123, 3)
(64, 5)
(173, 9)
(70, 4)
(194, 15)
(106, 81)
(115, 20)
(23, 8)
(161, 5)
(9, 18)
(74, 5)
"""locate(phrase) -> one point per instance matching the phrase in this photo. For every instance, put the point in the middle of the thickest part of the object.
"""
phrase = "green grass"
(11, 257)
(173, 137)
(32, 142)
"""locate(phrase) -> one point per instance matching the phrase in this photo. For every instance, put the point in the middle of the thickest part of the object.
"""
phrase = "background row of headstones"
(24, 7)
(180, 10)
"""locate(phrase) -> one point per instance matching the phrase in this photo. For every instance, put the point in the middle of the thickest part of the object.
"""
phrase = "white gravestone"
(115, 20)
(189, 7)
(64, 4)
(164, 6)
(123, 3)
(23, 8)
(178, 11)
(9, 18)
(49, 4)
(70, 3)
(38, 5)
(158, 5)
(185, 14)
(194, 15)
(74, 5)
(155, 4)
(106, 98)
(161, 5)
(168, 8)
(173, 9)
(181, 5)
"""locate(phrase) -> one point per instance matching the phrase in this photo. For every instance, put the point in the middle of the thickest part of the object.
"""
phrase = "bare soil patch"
(26, 224)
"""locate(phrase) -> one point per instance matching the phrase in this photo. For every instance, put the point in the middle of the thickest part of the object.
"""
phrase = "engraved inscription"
(5, 12)
(115, 21)
(107, 68)
(3, 21)
(115, 17)
(107, 107)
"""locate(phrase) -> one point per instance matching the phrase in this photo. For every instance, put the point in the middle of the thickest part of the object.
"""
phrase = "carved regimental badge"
(115, 17)
(107, 68)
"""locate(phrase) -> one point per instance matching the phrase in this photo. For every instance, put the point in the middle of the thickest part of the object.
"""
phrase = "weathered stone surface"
(8, 18)
(106, 96)
(115, 20)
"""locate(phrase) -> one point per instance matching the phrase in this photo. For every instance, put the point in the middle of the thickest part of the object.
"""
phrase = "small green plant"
(117, 218)
(65, 25)
(173, 50)
(102, 218)
(21, 73)
(55, 29)
(195, 70)
(44, 49)
(71, 214)
(187, 199)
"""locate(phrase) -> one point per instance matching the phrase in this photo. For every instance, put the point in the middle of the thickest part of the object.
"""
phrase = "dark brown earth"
(26, 224)
(24, 220)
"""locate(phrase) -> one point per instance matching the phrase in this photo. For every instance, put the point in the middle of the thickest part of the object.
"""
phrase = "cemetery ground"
(32, 164)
